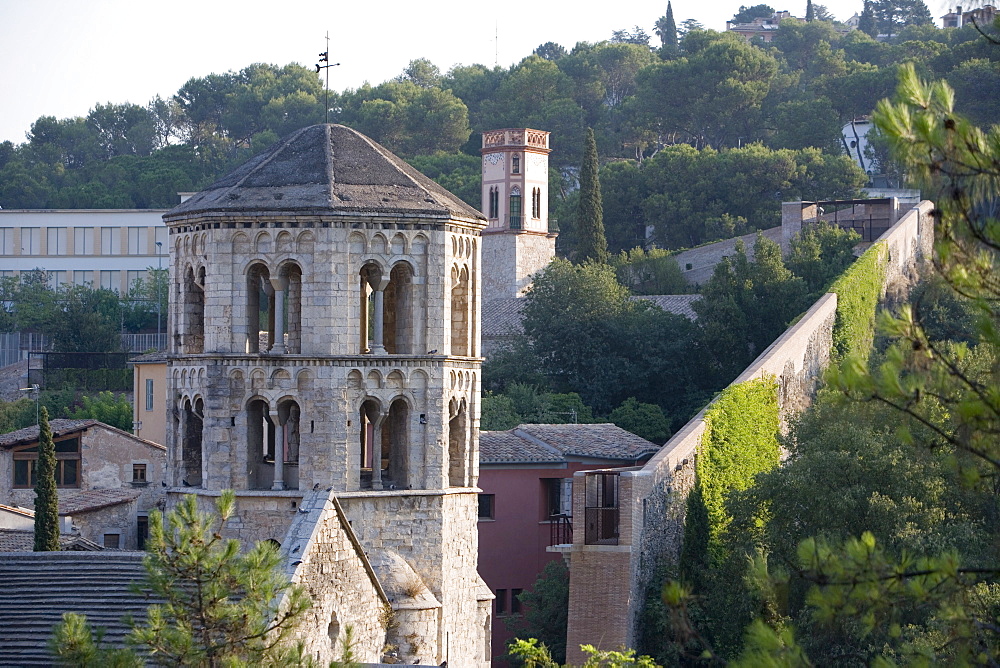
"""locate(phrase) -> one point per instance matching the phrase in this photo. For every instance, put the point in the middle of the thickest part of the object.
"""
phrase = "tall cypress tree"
(810, 12)
(46, 498)
(866, 22)
(590, 215)
(667, 30)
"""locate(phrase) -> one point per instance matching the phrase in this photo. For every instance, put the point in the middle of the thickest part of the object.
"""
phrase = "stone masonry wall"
(321, 557)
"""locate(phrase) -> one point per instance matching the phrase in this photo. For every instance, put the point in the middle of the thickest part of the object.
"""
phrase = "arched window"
(460, 317)
(369, 423)
(514, 217)
(288, 309)
(260, 445)
(494, 205)
(458, 444)
(191, 445)
(395, 446)
(260, 309)
(398, 323)
(193, 327)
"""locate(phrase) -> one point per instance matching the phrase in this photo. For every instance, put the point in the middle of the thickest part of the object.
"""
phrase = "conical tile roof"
(323, 169)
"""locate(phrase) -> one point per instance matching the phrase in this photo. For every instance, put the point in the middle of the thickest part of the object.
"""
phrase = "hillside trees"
(589, 337)
(715, 91)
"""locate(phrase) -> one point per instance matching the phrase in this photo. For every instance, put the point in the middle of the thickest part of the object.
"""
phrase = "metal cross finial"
(325, 58)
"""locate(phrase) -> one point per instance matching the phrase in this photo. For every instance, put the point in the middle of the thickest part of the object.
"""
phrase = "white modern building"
(108, 248)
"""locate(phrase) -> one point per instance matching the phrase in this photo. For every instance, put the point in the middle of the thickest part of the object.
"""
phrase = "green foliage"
(46, 496)
(77, 645)
(219, 605)
(821, 253)
(740, 441)
(537, 656)
(652, 272)
(645, 420)
(526, 404)
(666, 30)
(748, 14)
(858, 292)
(459, 173)
(590, 337)
(590, 219)
(546, 609)
(106, 407)
(744, 307)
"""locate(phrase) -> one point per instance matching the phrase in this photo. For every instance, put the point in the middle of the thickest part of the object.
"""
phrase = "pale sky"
(61, 57)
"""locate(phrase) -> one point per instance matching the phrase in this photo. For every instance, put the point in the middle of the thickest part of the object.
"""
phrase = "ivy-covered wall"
(858, 290)
(740, 441)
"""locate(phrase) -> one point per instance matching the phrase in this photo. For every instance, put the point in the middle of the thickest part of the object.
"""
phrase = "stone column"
(279, 285)
(279, 453)
(378, 348)
(377, 451)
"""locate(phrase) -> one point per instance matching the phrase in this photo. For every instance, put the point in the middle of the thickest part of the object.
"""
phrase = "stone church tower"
(325, 364)
(517, 243)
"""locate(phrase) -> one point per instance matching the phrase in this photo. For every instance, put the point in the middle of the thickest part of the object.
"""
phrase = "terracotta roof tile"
(89, 500)
(59, 427)
(546, 443)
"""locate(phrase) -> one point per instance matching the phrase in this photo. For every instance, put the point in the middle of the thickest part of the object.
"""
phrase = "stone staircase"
(36, 588)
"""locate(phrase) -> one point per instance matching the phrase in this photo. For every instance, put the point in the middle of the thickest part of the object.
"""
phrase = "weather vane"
(325, 58)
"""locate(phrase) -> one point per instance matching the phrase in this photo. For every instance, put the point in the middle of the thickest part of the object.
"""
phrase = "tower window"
(515, 164)
(494, 202)
(536, 203)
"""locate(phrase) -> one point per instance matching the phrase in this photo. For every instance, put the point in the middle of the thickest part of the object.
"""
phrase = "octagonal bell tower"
(325, 343)
(517, 242)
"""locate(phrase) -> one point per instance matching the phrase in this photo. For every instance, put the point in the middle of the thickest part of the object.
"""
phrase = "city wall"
(603, 609)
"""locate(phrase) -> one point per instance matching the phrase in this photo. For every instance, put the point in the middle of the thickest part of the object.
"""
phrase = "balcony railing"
(560, 529)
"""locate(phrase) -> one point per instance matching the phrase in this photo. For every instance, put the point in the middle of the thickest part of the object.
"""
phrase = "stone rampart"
(650, 501)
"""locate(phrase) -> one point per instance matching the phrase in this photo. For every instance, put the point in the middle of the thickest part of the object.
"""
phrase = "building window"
(135, 279)
(6, 241)
(112, 540)
(515, 602)
(56, 240)
(56, 279)
(142, 531)
(494, 202)
(139, 473)
(536, 203)
(138, 241)
(83, 277)
(111, 280)
(558, 497)
(515, 164)
(149, 394)
(110, 244)
(83, 240)
(486, 506)
(514, 217)
(501, 601)
(67, 464)
(31, 240)
(160, 237)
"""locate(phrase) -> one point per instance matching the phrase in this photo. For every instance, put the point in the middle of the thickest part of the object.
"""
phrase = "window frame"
(24, 453)
(492, 499)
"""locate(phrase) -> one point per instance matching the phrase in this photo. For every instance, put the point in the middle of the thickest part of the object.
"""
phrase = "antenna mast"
(325, 58)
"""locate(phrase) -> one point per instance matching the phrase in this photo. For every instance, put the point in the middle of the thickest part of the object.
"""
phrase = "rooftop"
(325, 169)
(554, 443)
